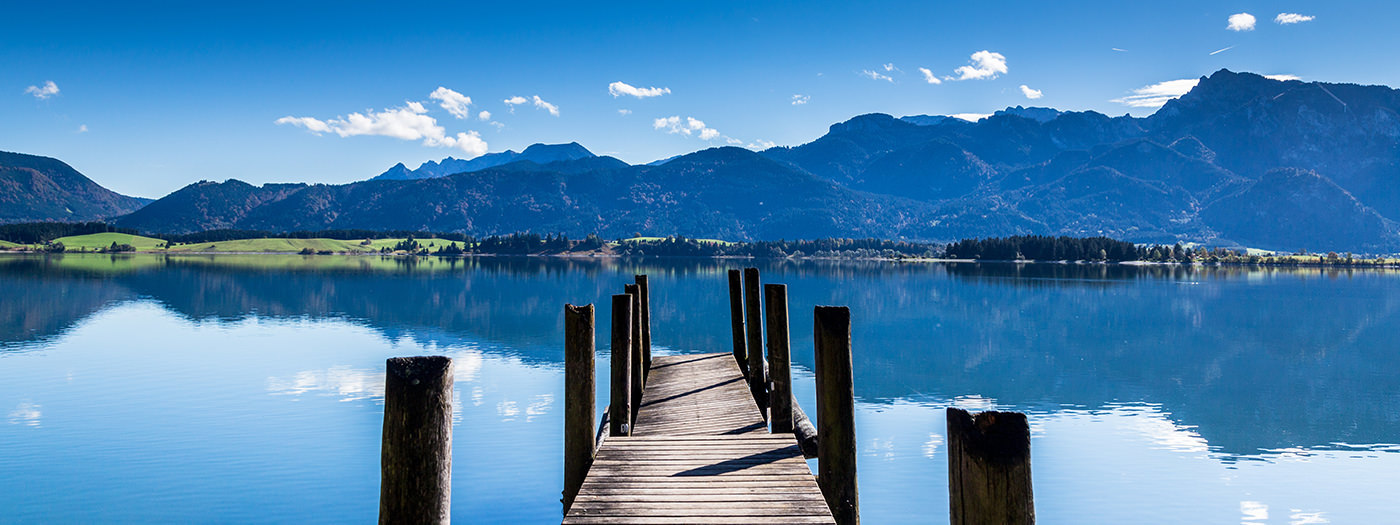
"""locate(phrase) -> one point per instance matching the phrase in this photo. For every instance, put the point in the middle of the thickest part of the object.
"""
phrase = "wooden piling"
(836, 451)
(579, 406)
(416, 459)
(989, 468)
(779, 359)
(753, 314)
(805, 432)
(646, 324)
(638, 366)
(736, 319)
(620, 389)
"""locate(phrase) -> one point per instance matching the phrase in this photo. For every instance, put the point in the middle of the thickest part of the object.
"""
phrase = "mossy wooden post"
(736, 319)
(638, 366)
(416, 459)
(620, 387)
(753, 318)
(579, 403)
(989, 468)
(836, 416)
(646, 325)
(779, 358)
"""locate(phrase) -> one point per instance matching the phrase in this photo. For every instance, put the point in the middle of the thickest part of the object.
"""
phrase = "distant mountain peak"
(537, 153)
(1037, 114)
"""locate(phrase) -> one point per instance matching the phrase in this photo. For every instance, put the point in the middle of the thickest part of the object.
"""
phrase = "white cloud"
(48, 90)
(1283, 78)
(890, 67)
(1292, 18)
(1241, 22)
(624, 112)
(929, 76)
(1120, 50)
(484, 115)
(617, 89)
(873, 75)
(551, 108)
(1155, 95)
(798, 100)
(970, 117)
(408, 122)
(82, 128)
(688, 126)
(760, 144)
(515, 101)
(985, 65)
(1031, 93)
(452, 101)
(1221, 50)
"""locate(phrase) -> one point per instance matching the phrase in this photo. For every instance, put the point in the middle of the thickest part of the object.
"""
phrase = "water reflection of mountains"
(1255, 359)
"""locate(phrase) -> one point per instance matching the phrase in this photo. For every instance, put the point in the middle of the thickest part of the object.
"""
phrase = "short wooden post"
(638, 367)
(779, 358)
(989, 468)
(620, 388)
(836, 416)
(579, 384)
(415, 483)
(736, 319)
(646, 325)
(758, 369)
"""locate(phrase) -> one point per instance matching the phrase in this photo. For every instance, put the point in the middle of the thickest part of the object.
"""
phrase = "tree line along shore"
(97, 237)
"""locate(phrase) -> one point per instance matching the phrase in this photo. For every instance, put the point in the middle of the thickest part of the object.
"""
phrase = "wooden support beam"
(416, 459)
(836, 421)
(579, 402)
(779, 359)
(736, 319)
(989, 468)
(805, 432)
(753, 314)
(638, 366)
(620, 388)
(646, 324)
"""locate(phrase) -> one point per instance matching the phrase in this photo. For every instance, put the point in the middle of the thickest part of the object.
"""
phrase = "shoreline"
(603, 255)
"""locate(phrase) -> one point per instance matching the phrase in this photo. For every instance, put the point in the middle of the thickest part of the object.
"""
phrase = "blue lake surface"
(248, 389)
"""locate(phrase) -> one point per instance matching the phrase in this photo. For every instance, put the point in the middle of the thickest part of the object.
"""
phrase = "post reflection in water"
(181, 388)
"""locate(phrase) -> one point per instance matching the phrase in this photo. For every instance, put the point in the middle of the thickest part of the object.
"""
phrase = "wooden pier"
(700, 452)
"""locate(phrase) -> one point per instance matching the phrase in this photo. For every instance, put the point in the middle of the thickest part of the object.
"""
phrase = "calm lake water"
(249, 388)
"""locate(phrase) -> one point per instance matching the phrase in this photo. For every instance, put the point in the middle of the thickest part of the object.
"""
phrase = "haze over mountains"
(1239, 160)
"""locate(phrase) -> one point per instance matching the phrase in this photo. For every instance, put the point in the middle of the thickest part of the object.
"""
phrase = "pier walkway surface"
(700, 452)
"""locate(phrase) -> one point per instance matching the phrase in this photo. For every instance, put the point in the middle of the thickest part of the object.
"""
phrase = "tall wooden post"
(620, 388)
(779, 358)
(579, 406)
(646, 325)
(989, 468)
(736, 319)
(638, 367)
(836, 416)
(758, 369)
(416, 459)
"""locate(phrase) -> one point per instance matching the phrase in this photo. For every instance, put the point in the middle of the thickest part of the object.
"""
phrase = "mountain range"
(34, 188)
(1240, 160)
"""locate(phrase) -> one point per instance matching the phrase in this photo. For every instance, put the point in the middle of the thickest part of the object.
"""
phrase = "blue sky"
(148, 99)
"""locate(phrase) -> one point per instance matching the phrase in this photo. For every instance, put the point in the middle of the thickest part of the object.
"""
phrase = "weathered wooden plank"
(699, 452)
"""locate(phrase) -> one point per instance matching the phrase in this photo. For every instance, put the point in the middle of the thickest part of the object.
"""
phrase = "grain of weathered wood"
(620, 388)
(645, 288)
(579, 403)
(736, 320)
(416, 458)
(779, 359)
(836, 422)
(753, 318)
(638, 366)
(699, 453)
(989, 468)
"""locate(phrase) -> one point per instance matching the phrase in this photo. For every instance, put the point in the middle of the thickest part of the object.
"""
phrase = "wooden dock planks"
(700, 453)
